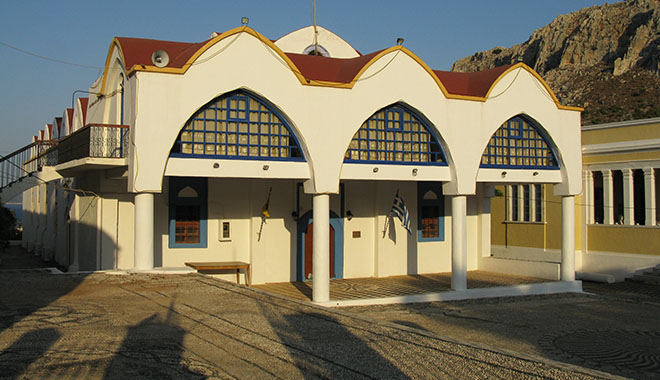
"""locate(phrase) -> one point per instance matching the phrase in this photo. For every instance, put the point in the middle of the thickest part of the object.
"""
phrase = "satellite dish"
(160, 58)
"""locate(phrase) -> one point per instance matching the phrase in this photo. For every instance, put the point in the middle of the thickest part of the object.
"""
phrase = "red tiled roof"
(470, 84)
(50, 131)
(69, 116)
(339, 70)
(83, 106)
(138, 51)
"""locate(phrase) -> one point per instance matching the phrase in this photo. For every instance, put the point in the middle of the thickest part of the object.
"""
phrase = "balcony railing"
(94, 140)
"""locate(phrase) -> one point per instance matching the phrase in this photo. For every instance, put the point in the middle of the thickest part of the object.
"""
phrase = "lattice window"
(394, 135)
(237, 126)
(518, 144)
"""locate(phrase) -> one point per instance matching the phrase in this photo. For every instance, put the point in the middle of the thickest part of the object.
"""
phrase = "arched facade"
(278, 135)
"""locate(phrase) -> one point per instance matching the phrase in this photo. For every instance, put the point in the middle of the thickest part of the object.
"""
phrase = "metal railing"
(94, 140)
(23, 161)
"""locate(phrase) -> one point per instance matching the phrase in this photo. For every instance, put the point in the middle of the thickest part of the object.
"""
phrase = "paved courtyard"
(192, 326)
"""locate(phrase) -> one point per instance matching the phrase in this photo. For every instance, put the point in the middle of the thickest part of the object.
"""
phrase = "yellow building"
(616, 218)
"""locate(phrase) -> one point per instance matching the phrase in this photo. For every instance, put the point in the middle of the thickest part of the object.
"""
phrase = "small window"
(188, 212)
(431, 210)
(514, 201)
(525, 203)
(225, 230)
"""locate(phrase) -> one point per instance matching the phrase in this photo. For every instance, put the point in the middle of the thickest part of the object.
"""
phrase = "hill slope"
(603, 58)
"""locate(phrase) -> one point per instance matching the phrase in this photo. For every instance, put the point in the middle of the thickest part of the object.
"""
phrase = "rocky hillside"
(603, 58)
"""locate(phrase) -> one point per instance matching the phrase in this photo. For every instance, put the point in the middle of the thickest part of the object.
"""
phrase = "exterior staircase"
(647, 276)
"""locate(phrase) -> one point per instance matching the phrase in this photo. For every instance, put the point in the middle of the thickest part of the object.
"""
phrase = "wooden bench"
(224, 265)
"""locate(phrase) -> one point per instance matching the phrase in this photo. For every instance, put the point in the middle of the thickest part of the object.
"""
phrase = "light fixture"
(349, 215)
(266, 167)
(216, 165)
(399, 41)
(245, 20)
(375, 170)
(294, 215)
(414, 172)
(535, 174)
(503, 174)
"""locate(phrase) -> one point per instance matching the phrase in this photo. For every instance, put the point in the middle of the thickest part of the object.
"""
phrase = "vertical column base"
(321, 253)
(144, 232)
(458, 242)
(567, 238)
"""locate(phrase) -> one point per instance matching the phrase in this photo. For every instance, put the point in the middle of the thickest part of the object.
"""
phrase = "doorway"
(306, 246)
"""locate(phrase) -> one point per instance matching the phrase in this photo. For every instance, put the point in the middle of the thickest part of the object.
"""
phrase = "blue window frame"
(237, 125)
(431, 212)
(188, 210)
(395, 135)
(518, 144)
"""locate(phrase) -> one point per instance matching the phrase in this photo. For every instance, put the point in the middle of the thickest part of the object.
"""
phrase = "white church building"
(288, 155)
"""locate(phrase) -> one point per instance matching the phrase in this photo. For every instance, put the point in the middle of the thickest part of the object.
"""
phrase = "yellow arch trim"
(538, 77)
(311, 82)
(113, 45)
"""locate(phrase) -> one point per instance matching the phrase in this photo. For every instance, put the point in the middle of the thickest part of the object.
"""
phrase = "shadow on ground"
(321, 347)
(614, 331)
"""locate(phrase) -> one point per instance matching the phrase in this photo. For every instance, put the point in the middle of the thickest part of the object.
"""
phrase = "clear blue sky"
(34, 91)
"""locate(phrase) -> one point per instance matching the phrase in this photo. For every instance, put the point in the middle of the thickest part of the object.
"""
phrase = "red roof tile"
(138, 51)
(470, 84)
(339, 70)
(69, 116)
(83, 106)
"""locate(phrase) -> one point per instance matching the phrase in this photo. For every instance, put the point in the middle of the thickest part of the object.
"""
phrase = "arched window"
(395, 135)
(431, 212)
(188, 203)
(237, 125)
(518, 144)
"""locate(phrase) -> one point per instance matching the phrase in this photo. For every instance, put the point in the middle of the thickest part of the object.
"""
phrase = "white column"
(649, 194)
(144, 231)
(321, 252)
(588, 180)
(568, 238)
(458, 242)
(608, 197)
(74, 237)
(628, 197)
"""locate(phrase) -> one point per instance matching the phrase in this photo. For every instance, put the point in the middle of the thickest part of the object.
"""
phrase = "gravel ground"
(192, 326)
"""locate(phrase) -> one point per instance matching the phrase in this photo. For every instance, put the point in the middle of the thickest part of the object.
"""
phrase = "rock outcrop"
(605, 58)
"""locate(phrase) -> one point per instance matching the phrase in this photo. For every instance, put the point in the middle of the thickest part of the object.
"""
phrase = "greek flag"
(400, 211)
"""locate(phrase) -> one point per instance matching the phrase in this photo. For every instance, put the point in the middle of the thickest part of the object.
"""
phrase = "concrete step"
(540, 269)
